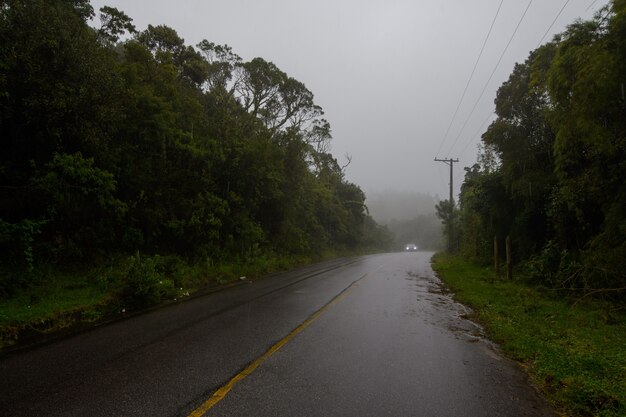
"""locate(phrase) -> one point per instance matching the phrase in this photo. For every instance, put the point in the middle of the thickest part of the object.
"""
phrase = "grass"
(53, 305)
(573, 350)
(84, 297)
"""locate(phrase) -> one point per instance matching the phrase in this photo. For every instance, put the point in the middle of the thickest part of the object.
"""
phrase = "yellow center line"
(221, 393)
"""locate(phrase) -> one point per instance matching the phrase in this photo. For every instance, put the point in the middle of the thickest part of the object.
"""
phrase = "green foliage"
(64, 298)
(112, 146)
(142, 284)
(17, 241)
(82, 205)
(377, 237)
(447, 211)
(560, 141)
(554, 266)
(17, 263)
(114, 23)
(573, 349)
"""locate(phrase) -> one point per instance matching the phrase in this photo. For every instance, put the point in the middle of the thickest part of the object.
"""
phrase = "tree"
(114, 23)
(112, 146)
(559, 142)
(278, 100)
(585, 81)
(57, 88)
(523, 140)
(485, 211)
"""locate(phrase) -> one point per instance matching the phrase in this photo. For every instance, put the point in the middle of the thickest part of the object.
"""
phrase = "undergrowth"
(83, 296)
(573, 349)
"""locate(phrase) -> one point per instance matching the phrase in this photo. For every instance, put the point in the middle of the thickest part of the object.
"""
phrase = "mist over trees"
(551, 170)
(149, 144)
(410, 217)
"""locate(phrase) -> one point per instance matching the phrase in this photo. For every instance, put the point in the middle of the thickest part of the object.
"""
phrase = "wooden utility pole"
(450, 162)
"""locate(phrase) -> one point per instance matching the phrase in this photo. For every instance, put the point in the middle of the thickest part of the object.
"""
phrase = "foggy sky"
(388, 73)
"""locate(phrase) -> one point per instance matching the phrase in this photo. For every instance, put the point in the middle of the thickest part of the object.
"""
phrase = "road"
(366, 336)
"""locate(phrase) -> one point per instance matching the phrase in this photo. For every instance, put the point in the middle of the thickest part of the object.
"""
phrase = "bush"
(555, 268)
(170, 267)
(142, 283)
(17, 264)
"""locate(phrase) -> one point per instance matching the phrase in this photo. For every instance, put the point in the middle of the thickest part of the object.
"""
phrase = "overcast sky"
(389, 74)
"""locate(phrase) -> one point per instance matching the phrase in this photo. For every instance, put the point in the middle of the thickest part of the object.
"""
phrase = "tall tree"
(586, 84)
(523, 140)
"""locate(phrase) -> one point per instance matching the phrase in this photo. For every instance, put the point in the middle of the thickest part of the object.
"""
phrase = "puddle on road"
(436, 306)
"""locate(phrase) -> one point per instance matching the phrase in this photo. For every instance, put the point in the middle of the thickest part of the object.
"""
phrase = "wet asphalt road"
(391, 344)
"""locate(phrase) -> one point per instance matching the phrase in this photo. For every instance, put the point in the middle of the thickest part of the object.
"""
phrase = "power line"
(538, 44)
(491, 76)
(542, 38)
(554, 21)
(589, 7)
(460, 175)
(477, 133)
(471, 76)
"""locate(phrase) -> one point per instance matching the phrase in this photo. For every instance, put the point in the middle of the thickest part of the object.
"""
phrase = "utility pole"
(450, 162)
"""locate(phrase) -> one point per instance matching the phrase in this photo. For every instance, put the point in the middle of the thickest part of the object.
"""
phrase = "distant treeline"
(118, 141)
(410, 217)
(552, 166)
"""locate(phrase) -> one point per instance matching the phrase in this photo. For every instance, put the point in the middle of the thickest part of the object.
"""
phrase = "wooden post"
(509, 263)
(450, 162)
(496, 264)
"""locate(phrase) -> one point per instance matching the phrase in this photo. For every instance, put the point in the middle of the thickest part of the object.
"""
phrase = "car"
(410, 247)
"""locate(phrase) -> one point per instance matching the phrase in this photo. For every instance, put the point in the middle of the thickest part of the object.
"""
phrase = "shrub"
(554, 267)
(17, 264)
(142, 283)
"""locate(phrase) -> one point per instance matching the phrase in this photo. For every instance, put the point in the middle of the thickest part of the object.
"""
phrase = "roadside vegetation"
(68, 300)
(550, 172)
(573, 348)
(135, 168)
(550, 181)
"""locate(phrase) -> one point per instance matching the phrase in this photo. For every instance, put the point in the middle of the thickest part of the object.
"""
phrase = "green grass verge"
(51, 306)
(60, 299)
(573, 350)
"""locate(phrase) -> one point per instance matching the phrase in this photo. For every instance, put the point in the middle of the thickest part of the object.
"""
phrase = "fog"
(390, 205)
(409, 216)
(388, 74)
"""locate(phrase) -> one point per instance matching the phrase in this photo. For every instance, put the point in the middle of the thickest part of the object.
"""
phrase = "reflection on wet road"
(370, 336)
(397, 345)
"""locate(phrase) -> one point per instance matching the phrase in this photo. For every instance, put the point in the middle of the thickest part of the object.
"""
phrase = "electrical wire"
(542, 38)
(554, 21)
(491, 76)
(589, 7)
(461, 175)
(478, 131)
(482, 49)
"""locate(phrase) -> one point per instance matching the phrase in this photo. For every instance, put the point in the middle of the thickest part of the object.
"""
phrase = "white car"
(410, 247)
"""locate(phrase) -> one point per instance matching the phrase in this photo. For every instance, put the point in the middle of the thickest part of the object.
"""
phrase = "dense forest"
(118, 142)
(550, 173)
